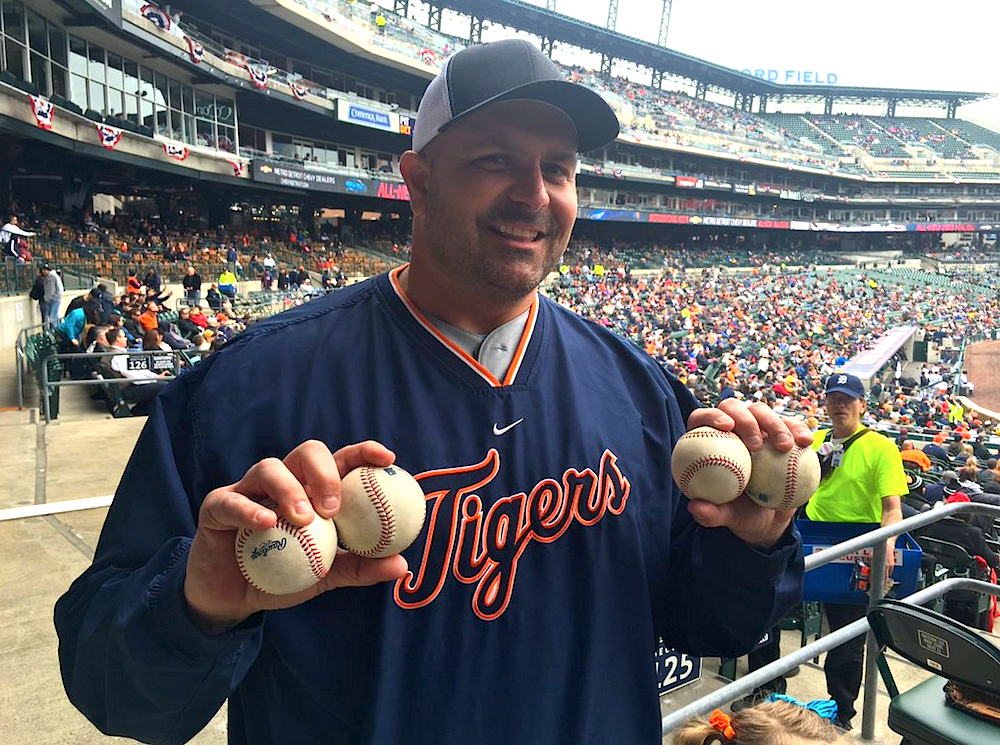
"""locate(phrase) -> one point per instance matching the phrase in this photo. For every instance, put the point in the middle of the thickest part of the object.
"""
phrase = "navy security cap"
(509, 70)
(845, 383)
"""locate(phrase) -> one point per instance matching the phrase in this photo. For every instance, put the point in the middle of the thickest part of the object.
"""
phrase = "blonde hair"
(774, 723)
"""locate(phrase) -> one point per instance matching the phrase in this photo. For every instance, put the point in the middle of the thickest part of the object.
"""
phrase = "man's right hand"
(306, 483)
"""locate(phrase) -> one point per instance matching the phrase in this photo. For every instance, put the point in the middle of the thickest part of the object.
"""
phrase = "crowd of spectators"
(777, 337)
(765, 326)
(765, 336)
(110, 245)
(589, 248)
(965, 252)
(138, 319)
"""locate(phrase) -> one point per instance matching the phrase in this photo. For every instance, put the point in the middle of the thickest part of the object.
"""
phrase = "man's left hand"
(748, 521)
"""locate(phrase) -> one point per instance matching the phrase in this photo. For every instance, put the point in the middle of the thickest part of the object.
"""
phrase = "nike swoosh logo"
(497, 430)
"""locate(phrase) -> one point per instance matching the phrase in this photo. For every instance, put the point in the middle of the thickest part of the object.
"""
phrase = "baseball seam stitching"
(712, 460)
(693, 434)
(791, 477)
(313, 555)
(387, 521)
(241, 541)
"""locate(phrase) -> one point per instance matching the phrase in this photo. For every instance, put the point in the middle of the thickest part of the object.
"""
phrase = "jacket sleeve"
(132, 660)
(984, 550)
(721, 595)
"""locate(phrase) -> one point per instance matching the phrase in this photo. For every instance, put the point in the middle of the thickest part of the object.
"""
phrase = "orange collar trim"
(515, 364)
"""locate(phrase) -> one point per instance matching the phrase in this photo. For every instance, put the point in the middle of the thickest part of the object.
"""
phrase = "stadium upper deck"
(325, 107)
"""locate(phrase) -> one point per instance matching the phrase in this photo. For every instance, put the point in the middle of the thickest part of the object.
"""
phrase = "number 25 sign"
(675, 670)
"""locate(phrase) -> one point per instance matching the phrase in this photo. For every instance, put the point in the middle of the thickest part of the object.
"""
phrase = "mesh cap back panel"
(434, 110)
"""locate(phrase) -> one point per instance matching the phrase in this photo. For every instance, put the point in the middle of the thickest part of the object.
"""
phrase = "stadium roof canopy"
(562, 28)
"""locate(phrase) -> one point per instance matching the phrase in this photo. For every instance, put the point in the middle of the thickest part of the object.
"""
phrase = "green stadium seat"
(37, 351)
(948, 650)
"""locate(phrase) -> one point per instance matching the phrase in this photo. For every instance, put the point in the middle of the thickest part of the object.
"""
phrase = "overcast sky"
(950, 45)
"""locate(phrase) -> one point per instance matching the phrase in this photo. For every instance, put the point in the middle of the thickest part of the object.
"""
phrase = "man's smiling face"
(501, 197)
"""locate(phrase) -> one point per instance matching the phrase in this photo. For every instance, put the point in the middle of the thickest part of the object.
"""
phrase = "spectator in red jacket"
(198, 318)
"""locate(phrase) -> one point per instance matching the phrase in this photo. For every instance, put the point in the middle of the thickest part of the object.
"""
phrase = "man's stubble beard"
(476, 267)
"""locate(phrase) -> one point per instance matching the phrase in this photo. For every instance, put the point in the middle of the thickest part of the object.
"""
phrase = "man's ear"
(415, 169)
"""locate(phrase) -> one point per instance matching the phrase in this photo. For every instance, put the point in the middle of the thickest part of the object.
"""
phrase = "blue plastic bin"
(832, 583)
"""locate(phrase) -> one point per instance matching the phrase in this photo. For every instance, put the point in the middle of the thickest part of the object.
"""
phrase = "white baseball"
(381, 513)
(711, 465)
(286, 558)
(780, 480)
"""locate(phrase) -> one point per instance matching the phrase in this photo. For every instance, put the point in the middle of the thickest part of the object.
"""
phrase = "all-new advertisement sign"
(297, 177)
(366, 116)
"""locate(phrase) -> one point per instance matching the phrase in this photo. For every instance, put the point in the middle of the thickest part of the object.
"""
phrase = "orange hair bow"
(722, 722)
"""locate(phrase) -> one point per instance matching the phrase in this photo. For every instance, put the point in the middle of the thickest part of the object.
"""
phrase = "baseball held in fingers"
(710, 464)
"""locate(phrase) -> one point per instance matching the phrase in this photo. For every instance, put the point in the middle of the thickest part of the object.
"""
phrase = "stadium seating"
(660, 115)
(797, 127)
(927, 133)
(971, 133)
(861, 131)
(911, 174)
(987, 175)
(949, 651)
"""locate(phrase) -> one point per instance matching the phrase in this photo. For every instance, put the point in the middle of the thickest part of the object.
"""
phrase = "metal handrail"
(47, 385)
(19, 358)
(877, 539)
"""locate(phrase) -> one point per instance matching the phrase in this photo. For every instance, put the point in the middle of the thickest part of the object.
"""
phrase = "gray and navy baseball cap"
(509, 70)
(845, 383)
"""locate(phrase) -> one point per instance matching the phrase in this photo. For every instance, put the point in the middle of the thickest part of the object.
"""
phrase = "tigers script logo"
(483, 549)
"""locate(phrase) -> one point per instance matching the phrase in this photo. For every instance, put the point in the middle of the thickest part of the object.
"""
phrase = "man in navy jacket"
(557, 548)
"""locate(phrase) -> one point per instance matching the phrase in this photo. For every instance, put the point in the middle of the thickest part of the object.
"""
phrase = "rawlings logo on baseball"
(263, 549)
(286, 558)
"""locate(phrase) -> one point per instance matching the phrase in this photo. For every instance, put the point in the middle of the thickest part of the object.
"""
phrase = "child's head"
(774, 723)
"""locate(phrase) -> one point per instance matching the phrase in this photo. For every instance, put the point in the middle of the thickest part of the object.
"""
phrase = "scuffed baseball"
(783, 480)
(381, 513)
(710, 464)
(286, 558)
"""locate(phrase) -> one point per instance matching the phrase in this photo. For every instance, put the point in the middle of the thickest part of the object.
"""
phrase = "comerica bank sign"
(369, 117)
(348, 111)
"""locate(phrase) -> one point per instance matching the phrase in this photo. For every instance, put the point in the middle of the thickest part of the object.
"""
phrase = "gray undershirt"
(495, 350)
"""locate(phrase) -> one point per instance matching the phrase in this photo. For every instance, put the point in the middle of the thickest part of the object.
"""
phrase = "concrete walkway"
(83, 454)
